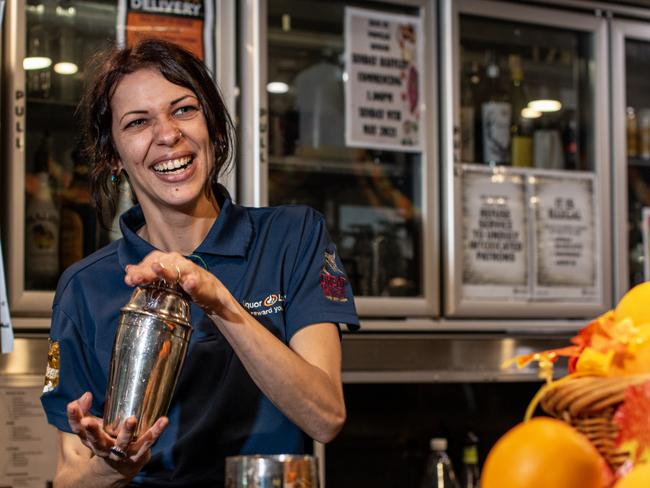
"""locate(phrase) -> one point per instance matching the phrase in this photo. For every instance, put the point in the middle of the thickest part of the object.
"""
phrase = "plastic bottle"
(470, 475)
(439, 471)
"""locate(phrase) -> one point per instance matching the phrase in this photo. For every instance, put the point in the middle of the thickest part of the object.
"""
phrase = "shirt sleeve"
(319, 290)
(71, 371)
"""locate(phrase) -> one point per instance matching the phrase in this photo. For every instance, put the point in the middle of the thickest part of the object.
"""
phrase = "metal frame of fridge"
(254, 155)
(31, 309)
(620, 30)
(455, 304)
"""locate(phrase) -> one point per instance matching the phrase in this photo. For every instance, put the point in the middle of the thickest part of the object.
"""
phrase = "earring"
(115, 177)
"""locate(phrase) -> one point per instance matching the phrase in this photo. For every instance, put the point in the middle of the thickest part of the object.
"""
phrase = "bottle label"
(522, 151)
(42, 235)
(470, 455)
(496, 132)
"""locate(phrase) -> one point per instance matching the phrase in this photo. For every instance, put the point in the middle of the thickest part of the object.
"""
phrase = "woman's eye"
(185, 110)
(135, 123)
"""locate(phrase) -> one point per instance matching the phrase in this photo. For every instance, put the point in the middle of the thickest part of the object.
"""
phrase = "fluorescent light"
(545, 105)
(36, 62)
(66, 12)
(529, 113)
(66, 68)
(277, 87)
(38, 9)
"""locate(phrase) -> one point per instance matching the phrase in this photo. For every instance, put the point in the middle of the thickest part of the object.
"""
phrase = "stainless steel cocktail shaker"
(271, 471)
(150, 345)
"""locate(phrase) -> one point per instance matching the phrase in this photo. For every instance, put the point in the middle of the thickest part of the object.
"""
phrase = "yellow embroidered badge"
(52, 371)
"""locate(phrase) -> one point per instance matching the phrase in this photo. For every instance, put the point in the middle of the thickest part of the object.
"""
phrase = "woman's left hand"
(203, 287)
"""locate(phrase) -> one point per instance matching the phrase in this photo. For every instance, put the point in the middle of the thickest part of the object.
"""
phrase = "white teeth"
(172, 164)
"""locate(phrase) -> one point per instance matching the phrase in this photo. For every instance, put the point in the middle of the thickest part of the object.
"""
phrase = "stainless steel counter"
(380, 358)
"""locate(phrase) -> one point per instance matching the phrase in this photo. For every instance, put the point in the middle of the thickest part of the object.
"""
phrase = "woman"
(263, 366)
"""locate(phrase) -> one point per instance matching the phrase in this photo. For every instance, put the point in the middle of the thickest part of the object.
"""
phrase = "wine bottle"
(42, 220)
(495, 112)
(468, 114)
(521, 127)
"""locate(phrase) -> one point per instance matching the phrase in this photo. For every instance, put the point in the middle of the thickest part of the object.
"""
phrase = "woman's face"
(162, 140)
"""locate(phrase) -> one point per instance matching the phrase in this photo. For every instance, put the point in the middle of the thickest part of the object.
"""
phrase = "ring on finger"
(118, 452)
(178, 272)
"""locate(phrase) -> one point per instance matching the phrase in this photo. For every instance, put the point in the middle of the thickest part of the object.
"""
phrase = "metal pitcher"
(149, 349)
(279, 471)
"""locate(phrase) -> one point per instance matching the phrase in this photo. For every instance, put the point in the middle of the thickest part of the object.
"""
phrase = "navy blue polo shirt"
(281, 266)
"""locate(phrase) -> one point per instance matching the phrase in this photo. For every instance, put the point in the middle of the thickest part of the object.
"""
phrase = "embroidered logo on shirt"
(332, 279)
(273, 303)
(53, 362)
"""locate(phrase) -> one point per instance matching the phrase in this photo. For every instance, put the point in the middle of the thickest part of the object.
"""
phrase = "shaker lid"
(162, 299)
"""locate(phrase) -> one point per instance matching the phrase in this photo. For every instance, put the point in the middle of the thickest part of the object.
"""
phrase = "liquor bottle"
(78, 222)
(470, 476)
(42, 222)
(521, 127)
(632, 132)
(439, 471)
(38, 78)
(469, 89)
(495, 112)
(570, 141)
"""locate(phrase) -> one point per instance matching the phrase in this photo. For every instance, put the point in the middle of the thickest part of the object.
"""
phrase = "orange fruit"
(635, 305)
(639, 477)
(543, 453)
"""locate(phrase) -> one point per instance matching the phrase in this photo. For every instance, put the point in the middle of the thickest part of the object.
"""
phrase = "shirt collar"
(230, 235)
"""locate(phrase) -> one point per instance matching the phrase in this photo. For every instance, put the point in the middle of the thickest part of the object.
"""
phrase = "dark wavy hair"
(178, 66)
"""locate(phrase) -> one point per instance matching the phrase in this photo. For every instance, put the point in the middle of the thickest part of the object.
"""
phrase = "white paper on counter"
(28, 445)
(6, 331)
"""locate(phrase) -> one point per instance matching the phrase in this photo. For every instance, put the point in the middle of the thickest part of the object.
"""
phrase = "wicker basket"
(588, 403)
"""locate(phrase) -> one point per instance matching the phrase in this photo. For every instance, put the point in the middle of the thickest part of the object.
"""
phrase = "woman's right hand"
(90, 431)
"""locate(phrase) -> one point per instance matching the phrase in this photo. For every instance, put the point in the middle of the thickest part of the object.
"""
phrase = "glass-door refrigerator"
(338, 113)
(525, 155)
(631, 152)
(47, 206)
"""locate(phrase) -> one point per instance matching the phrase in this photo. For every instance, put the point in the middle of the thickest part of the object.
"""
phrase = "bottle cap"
(438, 444)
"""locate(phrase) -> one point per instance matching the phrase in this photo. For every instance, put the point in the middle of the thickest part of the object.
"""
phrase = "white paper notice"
(495, 243)
(29, 447)
(6, 332)
(566, 238)
(383, 90)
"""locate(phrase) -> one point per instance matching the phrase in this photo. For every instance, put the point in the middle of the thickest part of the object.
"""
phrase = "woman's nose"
(168, 132)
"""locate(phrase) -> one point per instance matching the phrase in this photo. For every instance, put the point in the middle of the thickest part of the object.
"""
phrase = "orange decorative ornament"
(635, 305)
(542, 453)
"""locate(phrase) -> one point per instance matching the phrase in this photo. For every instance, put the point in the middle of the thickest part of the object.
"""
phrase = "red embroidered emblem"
(332, 279)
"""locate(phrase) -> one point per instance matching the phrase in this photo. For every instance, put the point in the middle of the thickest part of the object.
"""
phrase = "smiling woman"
(263, 365)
